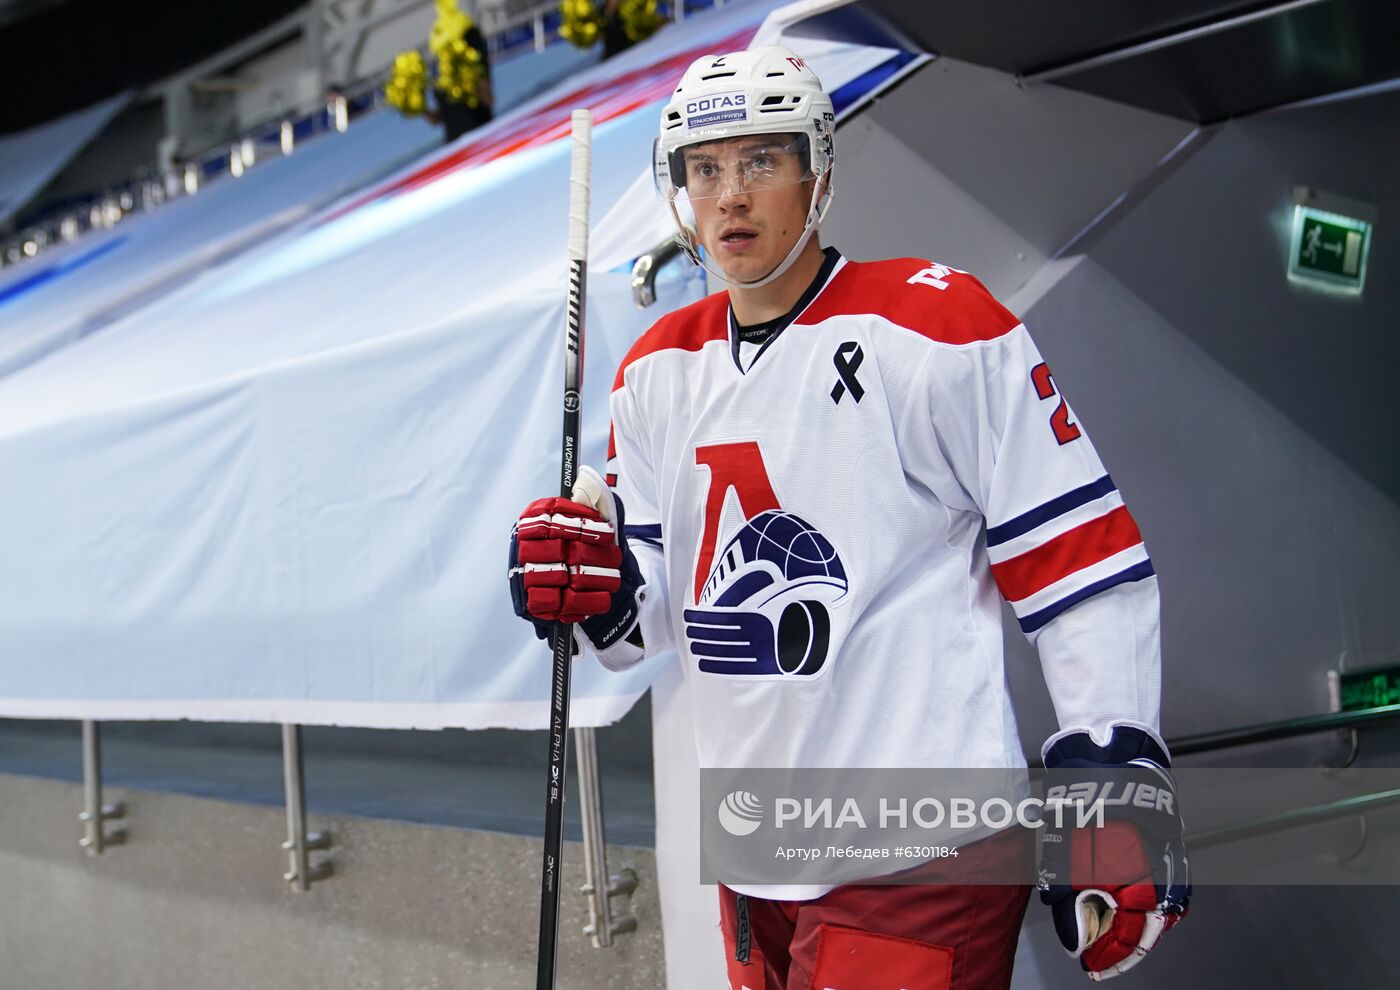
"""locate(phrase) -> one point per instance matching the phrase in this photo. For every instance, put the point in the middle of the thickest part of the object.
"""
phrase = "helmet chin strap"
(816, 213)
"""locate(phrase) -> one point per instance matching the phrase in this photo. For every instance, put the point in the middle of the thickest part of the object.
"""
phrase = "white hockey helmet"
(763, 91)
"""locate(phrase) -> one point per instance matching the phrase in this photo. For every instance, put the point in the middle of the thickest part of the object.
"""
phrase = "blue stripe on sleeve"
(647, 534)
(1035, 620)
(1041, 514)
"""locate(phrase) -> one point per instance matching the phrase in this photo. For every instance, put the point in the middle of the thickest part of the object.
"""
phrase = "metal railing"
(1294, 818)
(606, 921)
(149, 190)
(1207, 742)
(1211, 742)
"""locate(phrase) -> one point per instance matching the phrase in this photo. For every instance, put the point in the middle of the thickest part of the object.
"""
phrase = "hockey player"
(832, 473)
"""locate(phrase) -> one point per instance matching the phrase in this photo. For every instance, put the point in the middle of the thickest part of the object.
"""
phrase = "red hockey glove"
(1113, 890)
(566, 564)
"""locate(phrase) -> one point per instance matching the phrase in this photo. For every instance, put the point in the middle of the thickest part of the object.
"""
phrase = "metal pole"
(92, 789)
(595, 853)
(605, 923)
(292, 769)
(95, 838)
(1167, 41)
(300, 842)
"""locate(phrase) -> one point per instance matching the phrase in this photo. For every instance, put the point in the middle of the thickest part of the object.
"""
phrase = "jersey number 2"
(1065, 431)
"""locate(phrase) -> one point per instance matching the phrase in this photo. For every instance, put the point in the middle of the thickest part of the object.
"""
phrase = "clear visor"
(738, 166)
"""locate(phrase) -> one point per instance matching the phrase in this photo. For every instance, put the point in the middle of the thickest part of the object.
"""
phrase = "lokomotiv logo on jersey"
(762, 600)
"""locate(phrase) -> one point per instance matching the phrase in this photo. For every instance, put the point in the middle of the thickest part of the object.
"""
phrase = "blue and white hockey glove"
(567, 564)
(1113, 889)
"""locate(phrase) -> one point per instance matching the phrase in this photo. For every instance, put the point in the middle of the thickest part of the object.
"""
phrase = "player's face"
(750, 196)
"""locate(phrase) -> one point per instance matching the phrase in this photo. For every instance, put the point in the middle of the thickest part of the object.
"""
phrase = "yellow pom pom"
(639, 18)
(460, 72)
(450, 25)
(408, 79)
(580, 22)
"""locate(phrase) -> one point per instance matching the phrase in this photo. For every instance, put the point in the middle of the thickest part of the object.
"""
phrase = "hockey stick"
(564, 634)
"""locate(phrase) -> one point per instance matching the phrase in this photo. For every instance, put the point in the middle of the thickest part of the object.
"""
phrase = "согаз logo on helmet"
(719, 109)
(724, 101)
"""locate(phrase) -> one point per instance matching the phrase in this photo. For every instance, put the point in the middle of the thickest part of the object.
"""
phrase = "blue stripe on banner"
(844, 96)
(32, 282)
(1041, 514)
(1137, 572)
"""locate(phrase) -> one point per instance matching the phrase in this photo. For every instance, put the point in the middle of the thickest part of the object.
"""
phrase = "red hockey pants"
(939, 936)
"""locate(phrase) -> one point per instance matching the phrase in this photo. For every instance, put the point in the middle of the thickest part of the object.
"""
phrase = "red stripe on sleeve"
(1096, 540)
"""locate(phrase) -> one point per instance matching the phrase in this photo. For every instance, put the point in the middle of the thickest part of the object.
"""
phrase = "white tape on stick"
(578, 184)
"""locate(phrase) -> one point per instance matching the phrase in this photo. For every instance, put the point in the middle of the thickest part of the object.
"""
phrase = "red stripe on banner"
(1096, 540)
(608, 98)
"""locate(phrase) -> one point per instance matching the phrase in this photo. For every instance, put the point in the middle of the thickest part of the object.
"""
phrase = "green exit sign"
(1328, 247)
(1363, 689)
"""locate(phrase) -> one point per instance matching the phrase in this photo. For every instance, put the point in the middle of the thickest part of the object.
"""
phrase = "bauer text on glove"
(1115, 884)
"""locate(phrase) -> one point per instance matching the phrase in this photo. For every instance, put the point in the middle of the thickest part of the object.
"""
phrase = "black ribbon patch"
(847, 359)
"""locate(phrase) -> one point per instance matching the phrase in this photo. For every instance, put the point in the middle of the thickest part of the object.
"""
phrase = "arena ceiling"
(1201, 60)
(62, 55)
(13, 11)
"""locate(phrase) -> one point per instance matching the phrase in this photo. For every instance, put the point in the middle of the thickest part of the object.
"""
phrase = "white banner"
(283, 491)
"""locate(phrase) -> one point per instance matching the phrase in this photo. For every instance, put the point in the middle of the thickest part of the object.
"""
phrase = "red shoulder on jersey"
(948, 306)
(688, 329)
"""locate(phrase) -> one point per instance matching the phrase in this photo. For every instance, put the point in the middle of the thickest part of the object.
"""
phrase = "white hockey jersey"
(827, 536)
